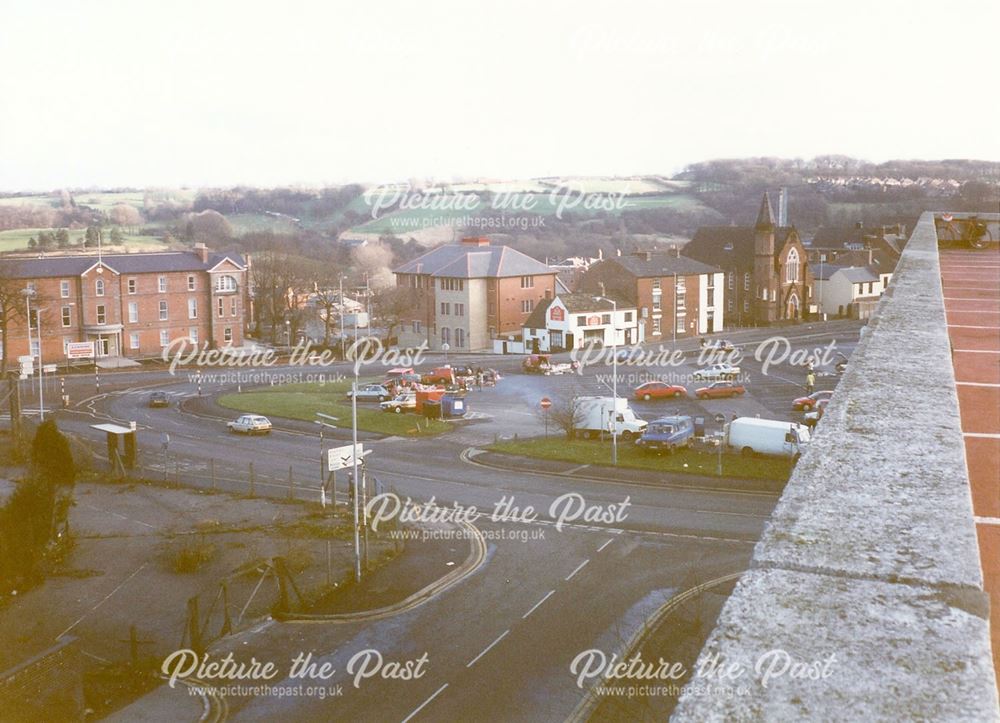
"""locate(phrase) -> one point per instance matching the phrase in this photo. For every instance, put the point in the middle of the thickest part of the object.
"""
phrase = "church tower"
(764, 275)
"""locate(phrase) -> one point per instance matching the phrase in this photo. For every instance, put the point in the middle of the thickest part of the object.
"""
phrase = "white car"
(407, 401)
(250, 424)
(715, 372)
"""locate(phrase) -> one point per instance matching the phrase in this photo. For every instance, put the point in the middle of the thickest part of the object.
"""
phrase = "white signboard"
(80, 350)
(49, 369)
(342, 457)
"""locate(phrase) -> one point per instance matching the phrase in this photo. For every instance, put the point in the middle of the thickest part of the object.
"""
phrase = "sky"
(218, 93)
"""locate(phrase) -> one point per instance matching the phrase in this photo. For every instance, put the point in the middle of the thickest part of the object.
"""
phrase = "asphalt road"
(499, 644)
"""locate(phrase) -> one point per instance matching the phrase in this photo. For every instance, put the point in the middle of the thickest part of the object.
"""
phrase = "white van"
(593, 415)
(750, 435)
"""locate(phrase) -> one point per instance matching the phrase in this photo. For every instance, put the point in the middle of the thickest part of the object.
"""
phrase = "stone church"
(767, 273)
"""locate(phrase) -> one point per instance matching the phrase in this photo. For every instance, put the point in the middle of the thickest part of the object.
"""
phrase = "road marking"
(535, 606)
(966, 298)
(967, 326)
(120, 516)
(599, 549)
(981, 435)
(579, 567)
(103, 600)
(421, 706)
(574, 470)
(976, 351)
(485, 651)
(976, 384)
(987, 520)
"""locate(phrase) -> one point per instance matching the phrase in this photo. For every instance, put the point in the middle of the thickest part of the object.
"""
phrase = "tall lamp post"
(614, 377)
(28, 293)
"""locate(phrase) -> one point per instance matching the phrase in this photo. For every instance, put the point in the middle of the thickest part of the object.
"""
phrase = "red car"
(720, 390)
(659, 390)
(806, 403)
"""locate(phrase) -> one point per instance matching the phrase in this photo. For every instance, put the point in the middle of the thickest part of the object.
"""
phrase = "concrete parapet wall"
(871, 554)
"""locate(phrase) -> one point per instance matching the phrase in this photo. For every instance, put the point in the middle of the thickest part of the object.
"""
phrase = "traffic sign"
(720, 418)
(343, 457)
(545, 403)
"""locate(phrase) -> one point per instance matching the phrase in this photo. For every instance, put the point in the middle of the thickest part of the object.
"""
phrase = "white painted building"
(853, 291)
(569, 321)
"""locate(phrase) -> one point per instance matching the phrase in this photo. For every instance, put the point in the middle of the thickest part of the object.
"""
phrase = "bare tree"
(125, 216)
(12, 305)
(565, 413)
(393, 304)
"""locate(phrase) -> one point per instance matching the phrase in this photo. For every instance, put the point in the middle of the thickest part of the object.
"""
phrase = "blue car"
(667, 434)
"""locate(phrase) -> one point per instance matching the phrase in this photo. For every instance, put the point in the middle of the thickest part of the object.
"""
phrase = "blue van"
(667, 434)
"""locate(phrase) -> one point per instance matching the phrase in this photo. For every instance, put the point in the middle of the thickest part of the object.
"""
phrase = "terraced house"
(471, 293)
(126, 305)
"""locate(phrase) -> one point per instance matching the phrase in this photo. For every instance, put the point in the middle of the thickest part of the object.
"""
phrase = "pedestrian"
(479, 378)
(810, 382)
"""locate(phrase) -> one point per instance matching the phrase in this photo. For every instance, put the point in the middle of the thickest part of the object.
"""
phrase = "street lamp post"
(614, 378)
(28, 293)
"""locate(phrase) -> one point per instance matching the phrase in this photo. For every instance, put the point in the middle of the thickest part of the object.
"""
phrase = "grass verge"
(598, 453)
(302, 401)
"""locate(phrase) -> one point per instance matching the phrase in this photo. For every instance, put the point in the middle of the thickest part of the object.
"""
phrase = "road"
(500, 643)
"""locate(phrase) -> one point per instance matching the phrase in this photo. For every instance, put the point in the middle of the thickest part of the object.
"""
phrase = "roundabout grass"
(302, 401)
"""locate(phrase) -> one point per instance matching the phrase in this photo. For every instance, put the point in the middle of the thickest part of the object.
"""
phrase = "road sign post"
(545, 403)
(721, 419)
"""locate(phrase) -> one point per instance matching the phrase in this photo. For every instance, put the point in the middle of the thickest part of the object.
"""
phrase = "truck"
(751, 435)
(667, 434)
(594, 415)
(543, 364)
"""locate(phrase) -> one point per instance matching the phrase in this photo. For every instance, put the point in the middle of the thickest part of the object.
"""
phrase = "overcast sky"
(217, 93)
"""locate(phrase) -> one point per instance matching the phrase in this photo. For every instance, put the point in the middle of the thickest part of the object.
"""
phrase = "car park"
(250, 424)
(371, 393)
(720, 390)
(158, 399)
(439, 375)
(543, 364)
(667, 434)
(659, 390)
(804, 404)
(716, 371)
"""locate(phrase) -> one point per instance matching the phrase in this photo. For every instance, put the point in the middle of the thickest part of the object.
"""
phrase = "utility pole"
(343, 351)
(354, 477)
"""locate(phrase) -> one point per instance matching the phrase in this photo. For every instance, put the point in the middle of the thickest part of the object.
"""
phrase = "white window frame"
(164, 337)
(164, 310)
(64, 289)
(133, 312)
(133, 340)
(161, 284)
(132, 284)
(192, 284)
(99, 287)
(192, 308)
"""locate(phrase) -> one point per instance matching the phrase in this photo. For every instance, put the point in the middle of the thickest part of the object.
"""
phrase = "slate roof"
(466, 261)
(574, 303)
(657, 264)
(765, 216)
(138, 263)
(729, 246)
(859, 274)
(823, 272)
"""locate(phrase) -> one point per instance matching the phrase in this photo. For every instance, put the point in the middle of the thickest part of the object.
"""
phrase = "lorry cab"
(667, 434)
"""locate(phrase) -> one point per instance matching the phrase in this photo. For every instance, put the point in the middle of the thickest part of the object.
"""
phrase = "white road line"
(485, 651)
(421, 706)
(579, 567)
(967, 326)
(103, 600)
(574, 470)
(981, 435)
(987, 520)
(599, 549)
(976, 351)
(535, 606)
(972, 311)
(966, 298)
(976, 384)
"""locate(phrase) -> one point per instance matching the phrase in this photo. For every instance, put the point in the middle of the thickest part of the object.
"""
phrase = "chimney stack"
(202, 251)
(475, 241)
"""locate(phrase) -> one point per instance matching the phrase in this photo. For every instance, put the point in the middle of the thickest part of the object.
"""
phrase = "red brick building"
(472, 293)
(128, 305)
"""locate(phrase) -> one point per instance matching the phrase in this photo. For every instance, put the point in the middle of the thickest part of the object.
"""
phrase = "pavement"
(971, 282)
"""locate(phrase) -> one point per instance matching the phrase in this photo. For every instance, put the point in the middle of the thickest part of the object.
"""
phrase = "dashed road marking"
(534, 607)
(601, 548)
(578, 568)
(486, 649)
(421, 706)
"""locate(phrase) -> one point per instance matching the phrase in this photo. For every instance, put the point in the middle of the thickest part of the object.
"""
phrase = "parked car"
(593, 415)
(723, 345)
(543, 364)
(158, 399)
(808, 402)
(812, 418)
(716, 371)
(750, 436)
(371, 393)
(667, 434)
(439, 375)
(407, 401)
(659, 390)
(720, 390)
(251, 424)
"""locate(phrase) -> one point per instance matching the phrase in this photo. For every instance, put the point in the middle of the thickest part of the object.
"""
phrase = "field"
(17, 240)
(254, 222)
(557, 447)
(302, 401)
